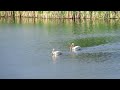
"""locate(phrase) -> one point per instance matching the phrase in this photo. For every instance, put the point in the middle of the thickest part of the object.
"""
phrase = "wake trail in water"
(105, 48)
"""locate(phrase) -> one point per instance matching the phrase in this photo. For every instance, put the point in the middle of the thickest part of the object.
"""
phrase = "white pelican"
(56, 53)
(74, 48)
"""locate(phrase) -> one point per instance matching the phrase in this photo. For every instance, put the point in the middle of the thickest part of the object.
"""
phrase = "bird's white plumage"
(76, 48)
(56, 53)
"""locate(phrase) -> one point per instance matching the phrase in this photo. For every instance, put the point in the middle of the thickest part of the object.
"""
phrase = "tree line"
(62, 14)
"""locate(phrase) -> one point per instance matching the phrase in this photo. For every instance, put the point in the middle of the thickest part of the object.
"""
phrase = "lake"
(25, 49)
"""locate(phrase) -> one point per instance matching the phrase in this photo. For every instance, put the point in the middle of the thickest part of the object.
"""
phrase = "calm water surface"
(25, 50)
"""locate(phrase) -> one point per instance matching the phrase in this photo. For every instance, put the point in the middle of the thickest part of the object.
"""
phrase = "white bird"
(74, 48)
(56, 53)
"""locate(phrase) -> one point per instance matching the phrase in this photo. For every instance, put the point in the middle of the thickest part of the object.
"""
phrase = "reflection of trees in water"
(18, 20)
(91, 41)
(115, 24)
(7, 20)
(76, 26)
(112, 24)
(91, 26)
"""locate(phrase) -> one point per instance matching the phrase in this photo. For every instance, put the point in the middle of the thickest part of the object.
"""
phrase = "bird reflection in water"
(54, 59)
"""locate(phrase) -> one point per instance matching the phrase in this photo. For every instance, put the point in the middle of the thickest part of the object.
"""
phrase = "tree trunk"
(91, 14)
(13, 16)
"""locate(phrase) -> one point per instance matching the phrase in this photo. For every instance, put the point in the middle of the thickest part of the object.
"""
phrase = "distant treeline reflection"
(84, 24)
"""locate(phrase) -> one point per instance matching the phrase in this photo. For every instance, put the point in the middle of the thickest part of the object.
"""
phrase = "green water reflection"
(82, 32)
